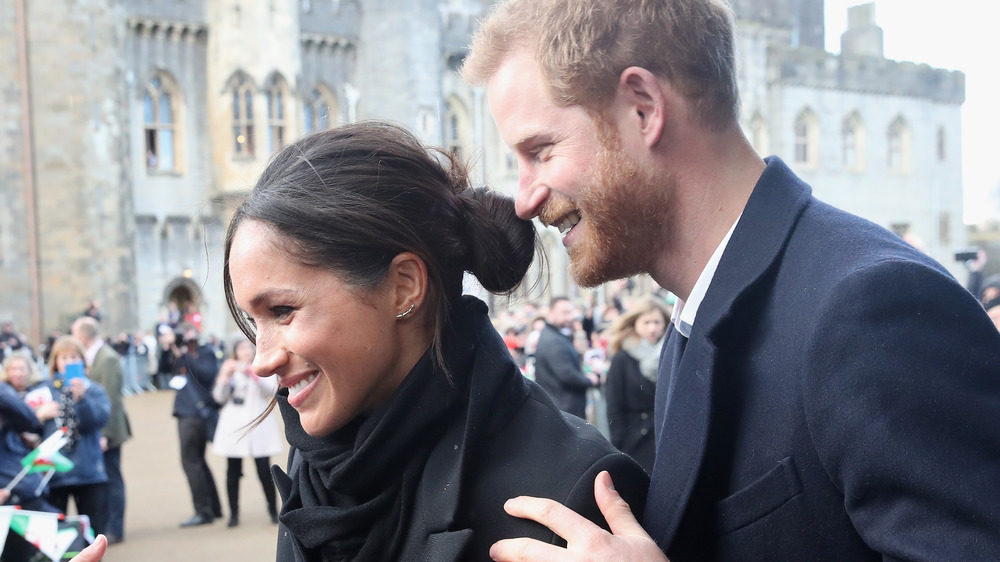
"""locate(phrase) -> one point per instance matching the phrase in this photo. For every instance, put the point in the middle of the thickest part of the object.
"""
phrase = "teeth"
(567, 223)
(294, 389)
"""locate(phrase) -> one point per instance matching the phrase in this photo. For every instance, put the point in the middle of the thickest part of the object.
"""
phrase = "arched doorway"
(182, 301)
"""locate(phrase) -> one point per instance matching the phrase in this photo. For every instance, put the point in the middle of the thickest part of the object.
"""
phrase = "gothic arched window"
(159, 115)
(241, 89)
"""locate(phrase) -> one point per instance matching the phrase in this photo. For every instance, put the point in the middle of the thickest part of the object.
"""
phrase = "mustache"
(555, 209)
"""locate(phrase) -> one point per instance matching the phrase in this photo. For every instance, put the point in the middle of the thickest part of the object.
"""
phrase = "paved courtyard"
(159, 499)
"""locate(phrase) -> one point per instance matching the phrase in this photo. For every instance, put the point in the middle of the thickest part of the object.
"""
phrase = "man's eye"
(540, 152)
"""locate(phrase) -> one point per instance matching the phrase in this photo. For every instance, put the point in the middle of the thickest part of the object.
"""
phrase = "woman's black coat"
(630, 397)
(510, 440)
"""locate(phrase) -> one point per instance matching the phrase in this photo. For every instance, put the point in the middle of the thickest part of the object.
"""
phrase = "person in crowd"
(243, 396)
(21, 372)
(19, 430)
(167, 344)
(105, 368)
(992, 308)
(408, 420)
(826, 390)
(93, 310)
(81, 406)
(630, 387)
(558, 363)
(197, 417)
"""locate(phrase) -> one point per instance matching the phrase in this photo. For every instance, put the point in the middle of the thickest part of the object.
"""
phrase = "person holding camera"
(244, 396)
(197, 415)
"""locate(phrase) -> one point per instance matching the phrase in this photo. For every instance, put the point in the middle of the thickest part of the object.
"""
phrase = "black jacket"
(838, 399)
(195, 399)
(630, 397)
(558, 369)
(508, 440)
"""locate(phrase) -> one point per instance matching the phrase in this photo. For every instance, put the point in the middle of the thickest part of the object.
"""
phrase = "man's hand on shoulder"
(584, 540)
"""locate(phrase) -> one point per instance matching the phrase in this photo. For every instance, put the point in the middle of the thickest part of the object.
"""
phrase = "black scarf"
(352, 495)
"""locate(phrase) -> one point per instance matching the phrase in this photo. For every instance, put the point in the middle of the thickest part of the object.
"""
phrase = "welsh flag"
(52, 534)
(46, 457)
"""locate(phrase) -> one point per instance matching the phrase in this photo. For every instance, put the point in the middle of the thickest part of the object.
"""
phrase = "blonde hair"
(582, 47)
(34, 376)
(623, 327)
(66, 344)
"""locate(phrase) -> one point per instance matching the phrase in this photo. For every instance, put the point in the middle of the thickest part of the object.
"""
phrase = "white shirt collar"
(91, 352)
(686, 311)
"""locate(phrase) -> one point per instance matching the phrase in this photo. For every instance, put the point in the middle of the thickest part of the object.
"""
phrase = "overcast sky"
(957, 35)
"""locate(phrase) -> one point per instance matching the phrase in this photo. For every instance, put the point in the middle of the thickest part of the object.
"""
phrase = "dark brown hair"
(352, 198)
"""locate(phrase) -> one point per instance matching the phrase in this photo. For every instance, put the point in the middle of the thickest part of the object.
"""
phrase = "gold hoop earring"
(407, 313)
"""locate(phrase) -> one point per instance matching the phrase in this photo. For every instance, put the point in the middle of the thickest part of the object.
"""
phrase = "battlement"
(816, 68)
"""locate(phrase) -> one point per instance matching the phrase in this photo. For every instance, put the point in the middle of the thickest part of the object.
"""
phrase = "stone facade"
(149, 117)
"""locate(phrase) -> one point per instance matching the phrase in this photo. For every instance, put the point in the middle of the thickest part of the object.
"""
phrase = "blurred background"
(130, 126)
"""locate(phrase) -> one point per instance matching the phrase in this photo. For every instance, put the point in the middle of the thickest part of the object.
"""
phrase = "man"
(197, 415)
(557, 364)
(827, 392)
(106, 370)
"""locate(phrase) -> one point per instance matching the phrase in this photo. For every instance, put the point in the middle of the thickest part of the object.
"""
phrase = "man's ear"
(408, 280)
(642, 96)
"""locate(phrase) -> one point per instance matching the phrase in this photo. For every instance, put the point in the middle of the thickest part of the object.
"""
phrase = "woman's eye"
(281, 311)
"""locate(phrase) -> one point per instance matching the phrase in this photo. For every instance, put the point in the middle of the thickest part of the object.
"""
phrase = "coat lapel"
(774, 206)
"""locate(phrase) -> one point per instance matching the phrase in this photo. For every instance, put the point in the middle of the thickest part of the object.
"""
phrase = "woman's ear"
(408, 282)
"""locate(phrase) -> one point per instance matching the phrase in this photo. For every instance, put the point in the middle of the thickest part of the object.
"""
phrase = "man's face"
(575, 175)
(562, 314)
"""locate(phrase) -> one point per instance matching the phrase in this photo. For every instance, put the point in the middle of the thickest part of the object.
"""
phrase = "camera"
(967, 254)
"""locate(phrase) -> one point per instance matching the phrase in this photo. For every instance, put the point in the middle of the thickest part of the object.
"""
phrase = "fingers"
(517, 550)
(94, 552)
(561, 520)
(616, 511)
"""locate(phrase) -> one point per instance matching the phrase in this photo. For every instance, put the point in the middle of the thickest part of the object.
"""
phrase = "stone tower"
(76, 218)
(401, 53)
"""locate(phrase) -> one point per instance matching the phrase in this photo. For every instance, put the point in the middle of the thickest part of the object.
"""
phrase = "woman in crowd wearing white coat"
(243, 397)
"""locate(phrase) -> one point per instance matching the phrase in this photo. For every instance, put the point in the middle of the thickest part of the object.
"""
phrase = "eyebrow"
(269, 294)
(530, 138)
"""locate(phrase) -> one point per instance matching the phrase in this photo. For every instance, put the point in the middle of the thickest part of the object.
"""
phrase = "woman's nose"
(268, 359)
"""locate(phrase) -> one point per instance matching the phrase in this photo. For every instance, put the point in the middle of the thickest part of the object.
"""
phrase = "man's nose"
(531, 194)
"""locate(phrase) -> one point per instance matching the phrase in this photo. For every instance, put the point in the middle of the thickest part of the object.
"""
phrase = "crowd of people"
(74, 384)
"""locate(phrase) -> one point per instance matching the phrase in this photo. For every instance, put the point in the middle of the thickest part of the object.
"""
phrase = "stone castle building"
(129, 125)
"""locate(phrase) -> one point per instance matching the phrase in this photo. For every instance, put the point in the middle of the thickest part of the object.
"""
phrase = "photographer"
(197, 415)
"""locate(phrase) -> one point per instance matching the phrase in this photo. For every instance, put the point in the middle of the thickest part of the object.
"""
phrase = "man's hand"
(584, 539)
(94, 552)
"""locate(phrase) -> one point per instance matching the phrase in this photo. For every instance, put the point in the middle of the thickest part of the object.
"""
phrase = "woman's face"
(338, 354)
(17, 373)
(64, 358)
(244, 352)
(651, 326)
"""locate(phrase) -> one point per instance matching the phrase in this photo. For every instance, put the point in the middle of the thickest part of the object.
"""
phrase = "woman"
(409, 422)
(83, 408)
(18, 429)
(630, 387)
(244, 396)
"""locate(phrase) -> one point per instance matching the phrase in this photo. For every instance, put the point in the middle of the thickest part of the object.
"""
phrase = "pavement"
(158, 497)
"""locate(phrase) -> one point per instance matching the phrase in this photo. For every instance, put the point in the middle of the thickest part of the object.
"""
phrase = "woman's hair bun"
(501, 246)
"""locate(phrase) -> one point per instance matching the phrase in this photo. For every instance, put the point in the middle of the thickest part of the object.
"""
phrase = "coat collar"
(777, 202)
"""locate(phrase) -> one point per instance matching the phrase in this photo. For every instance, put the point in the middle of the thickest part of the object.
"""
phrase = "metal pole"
(29, 171)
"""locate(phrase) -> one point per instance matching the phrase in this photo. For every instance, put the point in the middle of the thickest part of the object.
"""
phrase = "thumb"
(615, 510)
(94, 552)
